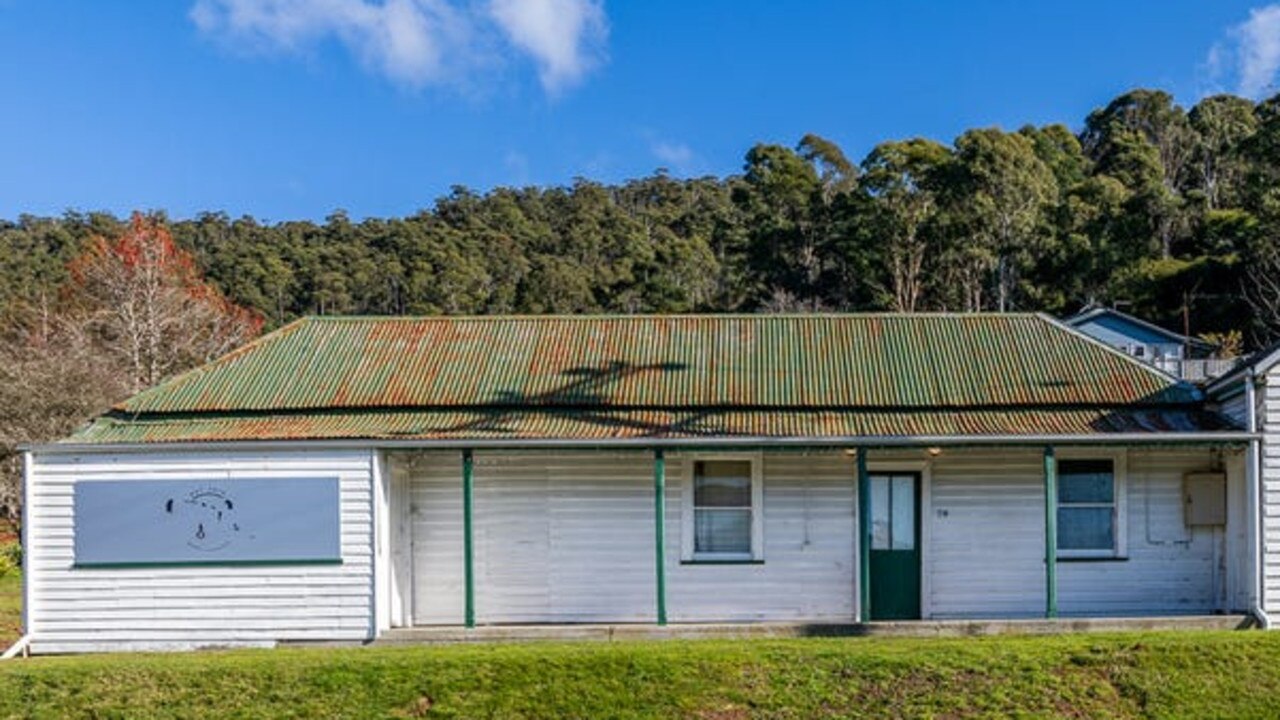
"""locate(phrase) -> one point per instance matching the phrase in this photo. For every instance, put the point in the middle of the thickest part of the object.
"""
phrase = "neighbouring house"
(342, 477)
(1183, 356)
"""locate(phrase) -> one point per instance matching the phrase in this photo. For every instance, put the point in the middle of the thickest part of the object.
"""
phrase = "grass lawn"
(10, 609)
(1189, 674)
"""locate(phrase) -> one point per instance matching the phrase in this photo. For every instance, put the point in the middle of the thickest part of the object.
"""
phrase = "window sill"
(725, 561)
(162, 564)
(1092, 558)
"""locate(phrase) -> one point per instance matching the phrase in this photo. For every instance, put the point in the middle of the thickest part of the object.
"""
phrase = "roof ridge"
(671, 316)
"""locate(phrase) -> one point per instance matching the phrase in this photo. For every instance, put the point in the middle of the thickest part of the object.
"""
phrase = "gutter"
(641, 443)
(1253, 479)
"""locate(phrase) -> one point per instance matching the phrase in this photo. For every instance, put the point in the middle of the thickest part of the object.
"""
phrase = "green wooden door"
(895, 546)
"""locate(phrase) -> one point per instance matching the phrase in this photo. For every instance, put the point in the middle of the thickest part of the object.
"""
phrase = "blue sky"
(289, 109)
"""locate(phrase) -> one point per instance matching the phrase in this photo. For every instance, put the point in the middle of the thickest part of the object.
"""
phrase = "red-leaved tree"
(133, 312)
(144, 299)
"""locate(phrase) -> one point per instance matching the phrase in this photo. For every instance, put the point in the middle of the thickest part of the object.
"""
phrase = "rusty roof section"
(689, 361)
(687, 376)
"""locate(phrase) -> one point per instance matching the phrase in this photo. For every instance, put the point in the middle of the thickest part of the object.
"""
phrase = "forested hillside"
(1171, 213)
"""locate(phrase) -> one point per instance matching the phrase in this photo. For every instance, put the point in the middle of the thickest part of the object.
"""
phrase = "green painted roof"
(614, 376)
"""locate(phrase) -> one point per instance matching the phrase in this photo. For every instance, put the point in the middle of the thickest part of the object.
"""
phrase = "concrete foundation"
(914, 628)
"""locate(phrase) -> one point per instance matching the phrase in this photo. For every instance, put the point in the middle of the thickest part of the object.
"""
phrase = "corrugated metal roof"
(691, 376)
(805, 361)
(607, 424)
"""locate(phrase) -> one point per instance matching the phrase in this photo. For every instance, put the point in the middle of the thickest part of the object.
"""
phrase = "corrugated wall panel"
(185, 607)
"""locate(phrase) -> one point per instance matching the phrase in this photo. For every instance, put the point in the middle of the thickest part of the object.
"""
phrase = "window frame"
(688, 541)
(1120, 512)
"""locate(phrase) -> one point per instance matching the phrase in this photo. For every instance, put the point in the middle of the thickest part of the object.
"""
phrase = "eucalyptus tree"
(1144, 139)
(1224, 124)
(901, 180)
(777, 196)
(1004, 191)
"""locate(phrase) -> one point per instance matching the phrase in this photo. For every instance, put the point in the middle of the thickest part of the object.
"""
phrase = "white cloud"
(416, 43)
(1250, 53)
(565, 37)
(677, 156)
(517, 164)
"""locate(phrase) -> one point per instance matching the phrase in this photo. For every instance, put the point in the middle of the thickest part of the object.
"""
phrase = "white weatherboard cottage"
(343, 477)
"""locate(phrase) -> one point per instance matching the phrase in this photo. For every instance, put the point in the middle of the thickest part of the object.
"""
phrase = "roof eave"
(897, 441)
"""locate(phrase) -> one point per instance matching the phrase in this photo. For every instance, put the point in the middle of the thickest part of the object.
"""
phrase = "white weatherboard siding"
(809, 566)
(987, 546)
(435, 517)
(1270, 428)
(85, 610)
(1171, 568)
(564, 537)
(986, 549)
(568, 537)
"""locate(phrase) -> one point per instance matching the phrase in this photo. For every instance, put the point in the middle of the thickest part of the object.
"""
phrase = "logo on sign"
(210, 514)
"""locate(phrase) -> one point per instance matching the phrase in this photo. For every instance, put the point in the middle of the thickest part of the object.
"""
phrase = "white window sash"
(1119, 502)
(688, 552)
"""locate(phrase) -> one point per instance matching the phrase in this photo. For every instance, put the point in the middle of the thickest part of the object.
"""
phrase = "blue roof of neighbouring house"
(1134, 327)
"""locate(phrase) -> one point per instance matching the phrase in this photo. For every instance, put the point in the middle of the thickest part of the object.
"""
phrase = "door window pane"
(881, 536)
(904, 513)
(893, 512)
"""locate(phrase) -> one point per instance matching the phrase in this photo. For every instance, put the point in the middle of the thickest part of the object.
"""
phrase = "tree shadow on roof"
(585, 397)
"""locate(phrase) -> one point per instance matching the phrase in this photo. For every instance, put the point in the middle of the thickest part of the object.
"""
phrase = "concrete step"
(914, 628)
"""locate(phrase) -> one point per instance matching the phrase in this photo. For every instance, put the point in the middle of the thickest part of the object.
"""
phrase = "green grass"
(10, 586)
(1189, 674)
(10, 609)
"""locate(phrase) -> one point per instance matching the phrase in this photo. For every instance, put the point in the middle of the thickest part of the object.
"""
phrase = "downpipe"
(1253, 478)
(23, 646)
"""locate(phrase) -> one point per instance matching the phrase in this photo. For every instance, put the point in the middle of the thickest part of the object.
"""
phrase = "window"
(724, 509)
(1088, 508)
(1139, 350)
